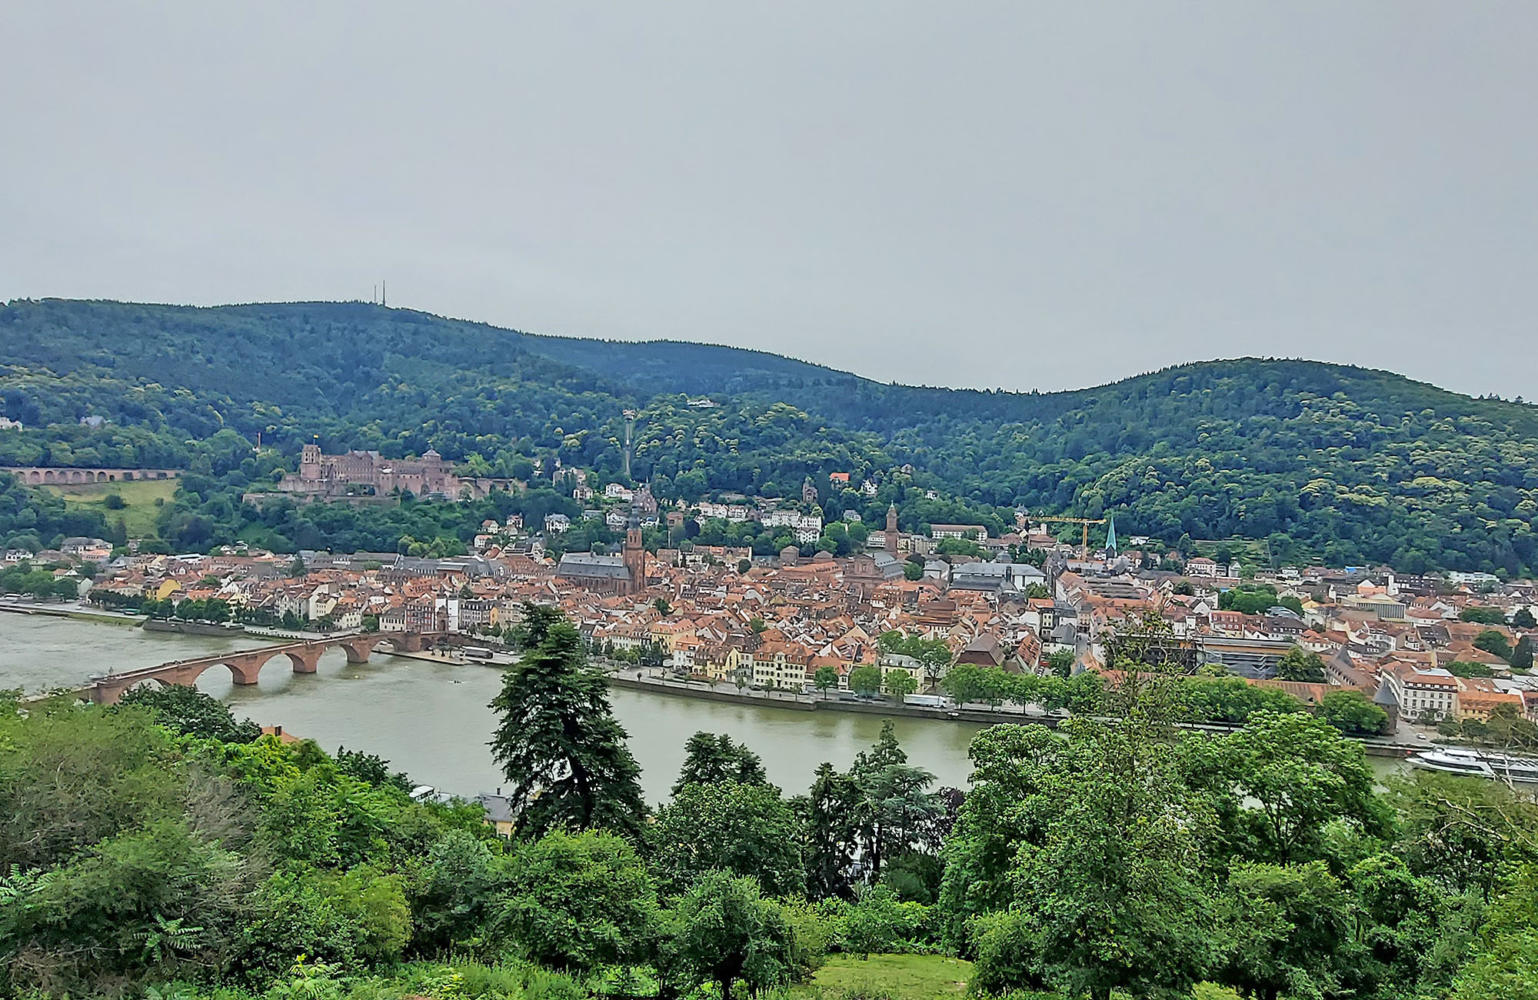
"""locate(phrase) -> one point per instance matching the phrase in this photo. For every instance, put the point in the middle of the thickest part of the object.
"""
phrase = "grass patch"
(138, 495)
(902, 977)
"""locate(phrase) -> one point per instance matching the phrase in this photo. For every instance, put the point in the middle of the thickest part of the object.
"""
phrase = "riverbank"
(74, 614)
(967, 714)
(813, 703)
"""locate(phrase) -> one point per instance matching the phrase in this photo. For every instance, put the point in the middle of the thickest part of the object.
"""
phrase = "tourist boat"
(1479, 763)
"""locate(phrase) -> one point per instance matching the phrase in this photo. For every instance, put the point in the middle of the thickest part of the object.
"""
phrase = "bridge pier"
(359, 649)
(306, 660)
(244, 670)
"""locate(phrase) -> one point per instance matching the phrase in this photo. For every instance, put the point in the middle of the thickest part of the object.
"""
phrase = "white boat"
(1480, 763)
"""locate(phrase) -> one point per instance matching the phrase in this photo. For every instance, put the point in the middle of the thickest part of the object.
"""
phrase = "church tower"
(634, 554)
(890, 538)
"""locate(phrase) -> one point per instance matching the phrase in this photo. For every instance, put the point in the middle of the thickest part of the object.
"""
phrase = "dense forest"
(1323, 461)
(161, 848)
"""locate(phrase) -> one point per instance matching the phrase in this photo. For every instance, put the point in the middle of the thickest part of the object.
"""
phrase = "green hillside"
(1352, 464)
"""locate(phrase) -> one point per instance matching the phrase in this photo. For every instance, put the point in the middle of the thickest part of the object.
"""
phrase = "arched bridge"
(245, 664)
(37, 475)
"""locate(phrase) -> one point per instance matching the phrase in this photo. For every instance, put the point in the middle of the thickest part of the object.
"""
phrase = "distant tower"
(309, 462)
(629, 438)
(634, 554)
(808, 491)
(890, 538)
(1110, 538)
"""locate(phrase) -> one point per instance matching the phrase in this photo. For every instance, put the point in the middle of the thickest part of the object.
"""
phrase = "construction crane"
(1085, 522)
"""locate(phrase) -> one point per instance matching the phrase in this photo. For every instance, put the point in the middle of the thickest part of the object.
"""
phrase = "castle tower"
(890, 538)
(309, 462)
(634, 554)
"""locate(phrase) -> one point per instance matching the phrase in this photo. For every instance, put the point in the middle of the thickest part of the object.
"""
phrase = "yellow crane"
(1085, 522)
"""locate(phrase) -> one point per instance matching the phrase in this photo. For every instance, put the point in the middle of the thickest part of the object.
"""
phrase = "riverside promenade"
(637, 680)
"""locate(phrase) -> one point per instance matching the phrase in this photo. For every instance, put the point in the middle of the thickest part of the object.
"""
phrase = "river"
(431, 719)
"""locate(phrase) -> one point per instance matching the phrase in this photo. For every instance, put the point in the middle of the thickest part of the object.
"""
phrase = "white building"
(1423, 694)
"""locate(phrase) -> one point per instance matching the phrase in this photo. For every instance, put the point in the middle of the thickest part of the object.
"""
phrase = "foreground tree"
(458, 898)
(714, 757)
(579, 901)
(830, 843)
(1289, 776)
(1283, 930)
(182, 708)
(558, 742)
(1113, 895)
(728, 933)
(744, 829)
(70, 779)
(1007, 808)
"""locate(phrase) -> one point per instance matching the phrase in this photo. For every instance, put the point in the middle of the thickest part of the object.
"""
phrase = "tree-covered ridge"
(1323, 461)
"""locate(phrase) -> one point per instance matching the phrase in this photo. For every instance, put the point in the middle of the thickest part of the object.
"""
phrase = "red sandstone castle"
(340, 475)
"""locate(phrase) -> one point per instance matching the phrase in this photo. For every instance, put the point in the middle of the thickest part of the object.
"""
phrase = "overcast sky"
(1026, 195)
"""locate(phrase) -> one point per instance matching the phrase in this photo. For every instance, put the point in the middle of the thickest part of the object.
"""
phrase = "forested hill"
(1342, 463)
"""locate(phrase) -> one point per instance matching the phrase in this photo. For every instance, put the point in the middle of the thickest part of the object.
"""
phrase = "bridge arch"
(153, 683)
(358, 649)
(242, 673)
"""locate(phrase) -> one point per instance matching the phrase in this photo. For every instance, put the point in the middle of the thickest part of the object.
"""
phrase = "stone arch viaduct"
(37, 475)
(245, 664)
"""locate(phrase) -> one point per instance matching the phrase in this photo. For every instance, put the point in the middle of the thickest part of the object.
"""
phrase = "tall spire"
(1110, 536)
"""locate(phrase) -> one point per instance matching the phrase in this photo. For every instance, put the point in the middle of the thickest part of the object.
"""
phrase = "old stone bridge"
(245, 664)
(36, 475)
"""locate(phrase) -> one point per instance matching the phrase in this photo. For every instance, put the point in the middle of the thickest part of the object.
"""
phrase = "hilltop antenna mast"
(629, 436)
(382, 296)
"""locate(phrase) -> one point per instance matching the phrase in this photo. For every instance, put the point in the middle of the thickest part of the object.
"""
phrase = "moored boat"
(1478, 763)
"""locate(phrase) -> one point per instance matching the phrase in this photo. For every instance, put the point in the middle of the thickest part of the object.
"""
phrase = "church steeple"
(1110, 537)
(634, 553)
(890, 536)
